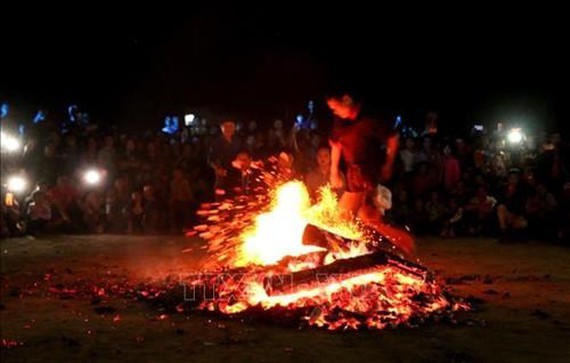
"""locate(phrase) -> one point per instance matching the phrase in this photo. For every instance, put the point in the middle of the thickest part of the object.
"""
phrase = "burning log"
(345, 268)
(303, 262)
(383, 237)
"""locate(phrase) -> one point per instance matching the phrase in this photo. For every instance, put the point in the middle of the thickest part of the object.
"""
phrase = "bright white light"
(189, 119)
(16, 184)
(515, 136)
(9, 142)
(92, 177)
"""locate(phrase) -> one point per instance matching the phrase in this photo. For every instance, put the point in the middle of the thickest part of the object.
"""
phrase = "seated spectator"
(480, 212)
(511, 209)
(452, 220)
(286, 165)
(11, 217)
(461, 193)
(435, 209)
(281, 168)
(319, 176)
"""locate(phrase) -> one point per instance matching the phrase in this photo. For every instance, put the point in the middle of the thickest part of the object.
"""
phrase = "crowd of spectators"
(476, 185)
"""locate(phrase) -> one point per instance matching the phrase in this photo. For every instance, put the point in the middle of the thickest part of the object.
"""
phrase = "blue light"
(398, 121)
(40, 116)
(311, 106)
(175, 123)
(71, 110)
(301, 122)
(170, 125)
(21, 130)
(4, 108)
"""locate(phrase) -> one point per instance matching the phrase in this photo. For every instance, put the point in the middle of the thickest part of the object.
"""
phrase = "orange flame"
(328, 215)
(278, 233)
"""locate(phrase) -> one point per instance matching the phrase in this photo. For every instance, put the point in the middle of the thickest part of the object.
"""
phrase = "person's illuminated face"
(324, 157)
(344, 107)
(243, 161)
(228, 129)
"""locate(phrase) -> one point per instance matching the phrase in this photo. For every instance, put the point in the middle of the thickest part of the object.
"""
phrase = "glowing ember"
(348, 284)
(373, 298)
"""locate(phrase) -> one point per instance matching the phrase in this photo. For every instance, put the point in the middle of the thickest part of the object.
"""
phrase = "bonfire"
(275, 251)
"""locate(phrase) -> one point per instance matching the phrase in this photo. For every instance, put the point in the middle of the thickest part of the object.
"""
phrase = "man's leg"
(350, 203)
(371, 215)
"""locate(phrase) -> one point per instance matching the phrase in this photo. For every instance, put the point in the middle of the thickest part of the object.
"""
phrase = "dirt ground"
(521, 295)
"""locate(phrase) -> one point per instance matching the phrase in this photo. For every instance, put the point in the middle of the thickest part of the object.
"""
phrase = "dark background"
(130, 66)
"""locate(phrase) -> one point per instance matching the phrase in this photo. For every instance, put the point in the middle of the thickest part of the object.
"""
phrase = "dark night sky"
(133, 66)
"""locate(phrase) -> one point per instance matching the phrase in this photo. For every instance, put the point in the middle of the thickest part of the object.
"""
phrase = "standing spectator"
(71, 156)
(89, 156)
(222, 152)
(150, 210)
(451, 169)
(407, 155)
(137, 213)
(180, 201)
(106, 156)
(244, 178)
(50, 165)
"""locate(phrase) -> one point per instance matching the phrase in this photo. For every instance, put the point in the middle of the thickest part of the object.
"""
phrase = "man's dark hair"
(324, 145)
(339, 87)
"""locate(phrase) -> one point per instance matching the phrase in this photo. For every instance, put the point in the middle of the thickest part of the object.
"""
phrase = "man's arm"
(392, 145)
(336, 179)
(213, 159)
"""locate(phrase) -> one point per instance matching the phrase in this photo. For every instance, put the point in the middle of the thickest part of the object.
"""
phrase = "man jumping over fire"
(368, 147)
